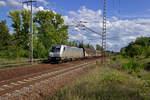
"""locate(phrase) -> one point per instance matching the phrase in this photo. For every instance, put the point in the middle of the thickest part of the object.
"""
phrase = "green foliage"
(100, 48)
(5, 41)
(23, 52)
(20, 38)
(4, 36)
(25, 28)
(48, 26)
(50, 29)
(7, 54)
(141, 47)
(73, 43)
(147, 52)
(89, 46)
(114, 58)
(39, 49)
(80, 45)
(123, 51)
(133, 66)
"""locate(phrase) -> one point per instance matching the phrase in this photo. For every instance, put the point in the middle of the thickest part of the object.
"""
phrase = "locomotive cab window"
(55, 49)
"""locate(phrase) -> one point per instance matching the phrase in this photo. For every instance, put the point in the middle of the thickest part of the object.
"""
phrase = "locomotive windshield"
(55, 49)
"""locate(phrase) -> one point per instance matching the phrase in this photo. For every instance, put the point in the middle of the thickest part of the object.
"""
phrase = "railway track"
(9, 87)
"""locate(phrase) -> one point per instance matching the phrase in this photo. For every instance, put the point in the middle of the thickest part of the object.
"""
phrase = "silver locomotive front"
(54, 54)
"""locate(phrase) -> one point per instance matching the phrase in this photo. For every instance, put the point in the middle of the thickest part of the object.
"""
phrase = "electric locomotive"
(65, 53)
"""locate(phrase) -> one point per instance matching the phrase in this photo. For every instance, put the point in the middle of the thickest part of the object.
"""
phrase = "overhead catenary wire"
(80, 25)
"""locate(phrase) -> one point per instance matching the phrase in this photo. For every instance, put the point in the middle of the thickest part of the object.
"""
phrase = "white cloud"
(2, 3)
(85, 14)
(78, 36)
(34, 9)
(16, 4)
(13, 4)
(41, 8)
(119, 32)
(114, 18)
(43, 1)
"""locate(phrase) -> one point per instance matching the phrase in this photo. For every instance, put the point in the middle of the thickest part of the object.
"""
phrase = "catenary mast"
(30, 2)
(104, 31)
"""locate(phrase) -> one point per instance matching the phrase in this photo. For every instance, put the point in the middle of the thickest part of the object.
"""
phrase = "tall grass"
(133, 66)
(14, 60)
(105, 84)
(114, 58)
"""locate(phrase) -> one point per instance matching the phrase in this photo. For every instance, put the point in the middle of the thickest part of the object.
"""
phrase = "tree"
(100, 48)
(89, 46)
(140, 47)
(143, 41)
(81, 45)
(135, 50)
(4, 35)
(26, 16)
(21, 23)
(48, 27)
(51, 29)
(123, 51)
(39, 49)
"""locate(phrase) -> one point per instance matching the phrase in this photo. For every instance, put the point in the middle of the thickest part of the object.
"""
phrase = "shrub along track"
(16, 78)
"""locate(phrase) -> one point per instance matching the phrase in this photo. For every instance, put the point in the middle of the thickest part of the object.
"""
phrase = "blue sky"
(126, 7)
(127, 19)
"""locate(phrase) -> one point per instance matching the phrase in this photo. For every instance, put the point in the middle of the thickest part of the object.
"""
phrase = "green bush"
(39, 50)
(7, 54)
(141, 47)
(23, 53)
(146, 52)
(133, 66)
(117, 57)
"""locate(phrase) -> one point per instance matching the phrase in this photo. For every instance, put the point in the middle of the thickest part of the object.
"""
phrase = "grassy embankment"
(111, 82)
(16, 62)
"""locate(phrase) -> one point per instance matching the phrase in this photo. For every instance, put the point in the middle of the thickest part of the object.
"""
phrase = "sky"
(126, 19)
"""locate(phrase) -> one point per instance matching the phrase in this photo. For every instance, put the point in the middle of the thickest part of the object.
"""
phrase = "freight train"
(65, 53)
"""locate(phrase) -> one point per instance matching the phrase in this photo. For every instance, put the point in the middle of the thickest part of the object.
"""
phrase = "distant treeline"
(49, 29)
(141, 47)
(81, 44)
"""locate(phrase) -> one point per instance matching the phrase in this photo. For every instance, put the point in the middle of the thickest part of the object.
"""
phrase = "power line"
(80, 25)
